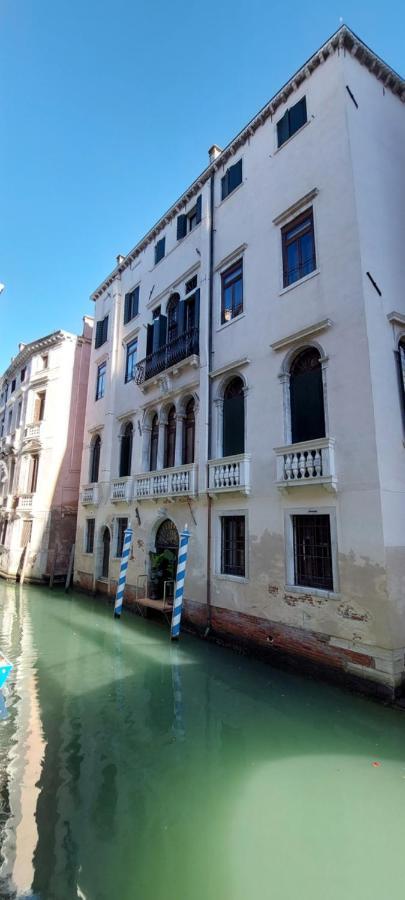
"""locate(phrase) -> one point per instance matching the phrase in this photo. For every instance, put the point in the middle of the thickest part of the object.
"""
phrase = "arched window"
(154, 440)
(233, 436)
(126, 450)
(170, 439)
(306, 397)
(172, 317)
(95, 459)
(189, 433)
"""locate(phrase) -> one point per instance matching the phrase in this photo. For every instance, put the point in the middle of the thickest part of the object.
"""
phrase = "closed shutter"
(234, 426)
(105, 329)
(225, 185)
(162, 330)
(135, 302)
(283, 131)
(181, 227)
(99, 335)
(297, 115)
(37, 407)
(149, 339)
(181, 317)
(234, 176)
(198, 209)
(127, 308)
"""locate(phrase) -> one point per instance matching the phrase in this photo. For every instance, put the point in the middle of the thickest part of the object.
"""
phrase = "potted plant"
(162, 568)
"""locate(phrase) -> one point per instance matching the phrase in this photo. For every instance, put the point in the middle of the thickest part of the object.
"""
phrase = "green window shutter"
(198, 209)
(181, 227)
(283, 129)
(149, 339)
(225, 185)
(127, 308)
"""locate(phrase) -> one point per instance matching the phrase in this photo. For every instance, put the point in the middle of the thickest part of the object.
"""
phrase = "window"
(131, 305)
(33, 474)
(22, 375)
(101, 332)
(233, 435)
(190, 285)
(298, 245)
(10, 419)
(126, 450)
(122, 525)
(312, 552)
(187, 221)
(189, 433)
(131, 361)
(160, 250)
(4, 532)
(44, 361)
(172, 311)
(95, 459)
(13, 385)
(231, 179)
(154, 441)
(26, 532)
(90, 525)
(306, 397)
(232, 292)
(18, 417)
(39, 407)
(100, 385)
(292, 120)
(233, 545)
(170, 439)
(11, 476)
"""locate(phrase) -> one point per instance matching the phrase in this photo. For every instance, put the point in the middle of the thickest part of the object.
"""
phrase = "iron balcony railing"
(186, 344)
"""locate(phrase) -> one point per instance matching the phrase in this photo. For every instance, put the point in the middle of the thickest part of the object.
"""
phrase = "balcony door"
(306, 397)
(233, 435)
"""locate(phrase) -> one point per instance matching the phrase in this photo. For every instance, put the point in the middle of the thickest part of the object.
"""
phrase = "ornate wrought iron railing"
(184, 345)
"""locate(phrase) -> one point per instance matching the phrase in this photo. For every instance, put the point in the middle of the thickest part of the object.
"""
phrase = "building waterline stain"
(131, 768)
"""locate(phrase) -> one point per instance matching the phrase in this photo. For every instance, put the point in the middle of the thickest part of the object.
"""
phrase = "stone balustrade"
(175, 482)
(89, 495)
(231, 473)
(309, 462)
(121, 490)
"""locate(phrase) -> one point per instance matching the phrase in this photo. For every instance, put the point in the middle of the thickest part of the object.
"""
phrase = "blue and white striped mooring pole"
(178, 594)
(126, 549)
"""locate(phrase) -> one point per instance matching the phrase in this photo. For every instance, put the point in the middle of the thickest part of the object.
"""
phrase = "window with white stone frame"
(231, 537)
(311, 550)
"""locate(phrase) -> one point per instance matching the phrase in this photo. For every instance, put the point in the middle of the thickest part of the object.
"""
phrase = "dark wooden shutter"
(235, 176)
(162, 329)
(283, 131)
(297, 115)
(225, 185)
(127, 308)
(181, 317)
(105, 330)
(306, 396)
(135, 302)
(234, 425)
(197, 308)
(99, 333)
(149, 339)
(181, 227)
(198, 209)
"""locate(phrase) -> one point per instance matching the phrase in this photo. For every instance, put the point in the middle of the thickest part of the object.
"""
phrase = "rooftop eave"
(344, 39)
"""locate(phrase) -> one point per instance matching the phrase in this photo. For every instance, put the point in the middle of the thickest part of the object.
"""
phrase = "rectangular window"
(26, 532)
(101, 332)
(44, 360)
(313, 552)
(130, 361)
(10, 419)
(33, 474)
(90, 525)
(232, 292)
(292, 120)
(39, 407)
(12, 386)
(190, 285)
(160, 250)
(22, 376)
(298, 245)
(122, 525)
(233, 545)
(231, 179)
(131, 305)
(100, 385)
(18, 417)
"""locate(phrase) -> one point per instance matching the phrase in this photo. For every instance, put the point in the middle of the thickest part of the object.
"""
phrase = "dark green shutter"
(234, 176)
(181, 227)
(127, 308)
(225, 185)
(105, 330)
(162, 330)
(149, 339)
(135, 302)
(198, 209)
(283, 130)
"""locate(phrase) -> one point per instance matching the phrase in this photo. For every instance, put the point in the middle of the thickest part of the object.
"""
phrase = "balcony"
(32, 432)
(89, 495)
(171, 483)
(184, 346)
(121, 490)
(229, 475)
(310, 462)
(24, 503)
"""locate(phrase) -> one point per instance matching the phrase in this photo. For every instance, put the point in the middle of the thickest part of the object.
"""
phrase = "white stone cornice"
(230, 257)
(295, 207)
(236, 364)
(295, 336)
(396, 318)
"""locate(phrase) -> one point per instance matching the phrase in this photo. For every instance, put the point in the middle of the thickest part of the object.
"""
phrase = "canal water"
(131, 769)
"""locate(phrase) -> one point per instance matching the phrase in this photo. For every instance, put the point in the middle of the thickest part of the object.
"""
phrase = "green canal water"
(131, 769)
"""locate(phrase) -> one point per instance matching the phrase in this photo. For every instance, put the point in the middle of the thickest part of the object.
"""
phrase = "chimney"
(21, 347)
(120, 259)
(213, 152)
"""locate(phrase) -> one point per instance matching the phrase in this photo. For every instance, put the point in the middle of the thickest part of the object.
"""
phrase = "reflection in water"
(132, 768)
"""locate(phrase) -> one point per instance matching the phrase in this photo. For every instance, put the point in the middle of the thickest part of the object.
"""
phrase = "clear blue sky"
(108, 110)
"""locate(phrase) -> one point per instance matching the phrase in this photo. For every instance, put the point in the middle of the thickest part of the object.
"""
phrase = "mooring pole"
(179, 591)
(126, 549)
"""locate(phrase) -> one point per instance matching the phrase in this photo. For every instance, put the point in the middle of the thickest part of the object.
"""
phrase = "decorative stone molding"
(307, 332)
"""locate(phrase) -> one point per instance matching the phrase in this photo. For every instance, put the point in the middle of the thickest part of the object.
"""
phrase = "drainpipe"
(209, 369)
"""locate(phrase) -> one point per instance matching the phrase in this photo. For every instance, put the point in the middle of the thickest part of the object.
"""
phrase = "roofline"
(33, 347)
(342, 39)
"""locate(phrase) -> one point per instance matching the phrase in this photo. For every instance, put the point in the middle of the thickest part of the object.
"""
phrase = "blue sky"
(108, 110)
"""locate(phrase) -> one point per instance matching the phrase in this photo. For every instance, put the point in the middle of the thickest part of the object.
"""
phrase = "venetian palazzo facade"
(247, 377)
(42, 410)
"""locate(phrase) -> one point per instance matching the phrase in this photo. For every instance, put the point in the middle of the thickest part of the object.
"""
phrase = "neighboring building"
(260, 325)
(42, 410)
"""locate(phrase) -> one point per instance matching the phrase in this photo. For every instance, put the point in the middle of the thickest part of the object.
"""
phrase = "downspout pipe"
(209, 370)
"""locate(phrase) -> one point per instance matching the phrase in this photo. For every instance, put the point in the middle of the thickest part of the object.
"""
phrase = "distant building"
(247, 377)
(42, 407)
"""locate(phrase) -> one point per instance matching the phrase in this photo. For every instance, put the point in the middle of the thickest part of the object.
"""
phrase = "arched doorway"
(306, 396)
(105, 560)
(164, 559)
